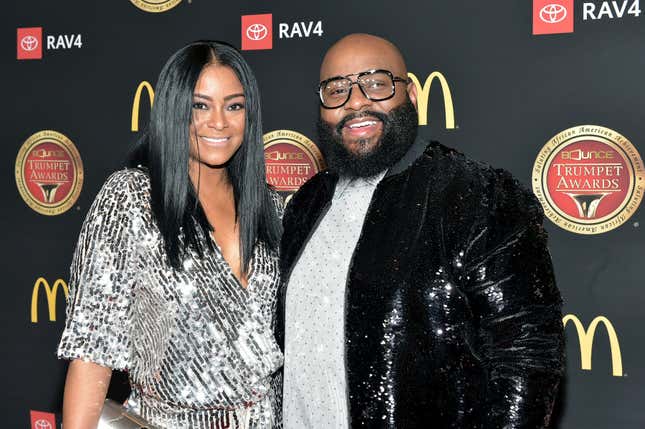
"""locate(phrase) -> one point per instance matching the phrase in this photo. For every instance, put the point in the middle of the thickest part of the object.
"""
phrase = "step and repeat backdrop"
(551, 90)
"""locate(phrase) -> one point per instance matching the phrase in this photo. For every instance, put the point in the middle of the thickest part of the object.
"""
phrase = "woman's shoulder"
(123, 189)
(129, 179)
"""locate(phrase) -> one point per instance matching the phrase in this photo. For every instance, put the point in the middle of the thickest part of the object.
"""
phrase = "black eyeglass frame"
(394, 79)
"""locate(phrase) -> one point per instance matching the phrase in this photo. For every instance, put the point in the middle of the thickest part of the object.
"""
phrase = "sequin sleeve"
(279, 202)
(97, 326)
(512, 291)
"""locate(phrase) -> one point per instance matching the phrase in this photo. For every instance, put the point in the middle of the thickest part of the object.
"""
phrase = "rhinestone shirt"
(315, 390)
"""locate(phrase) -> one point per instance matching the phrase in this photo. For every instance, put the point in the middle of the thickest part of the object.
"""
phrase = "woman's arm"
(99, 317)
(85, 389)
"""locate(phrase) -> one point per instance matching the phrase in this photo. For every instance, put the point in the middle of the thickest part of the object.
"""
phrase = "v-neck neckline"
(229, 269)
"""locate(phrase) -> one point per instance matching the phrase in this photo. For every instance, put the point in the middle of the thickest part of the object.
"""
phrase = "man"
(418, 291)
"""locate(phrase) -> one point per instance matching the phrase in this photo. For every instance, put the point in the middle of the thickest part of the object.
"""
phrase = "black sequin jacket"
(452, 315)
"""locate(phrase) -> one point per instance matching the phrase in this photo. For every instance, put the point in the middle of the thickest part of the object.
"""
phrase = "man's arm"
(511, 287)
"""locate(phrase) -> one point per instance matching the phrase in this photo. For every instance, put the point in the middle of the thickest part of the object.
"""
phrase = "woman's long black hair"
(164, 151)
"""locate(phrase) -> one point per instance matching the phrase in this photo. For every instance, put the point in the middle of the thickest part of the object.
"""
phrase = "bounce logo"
(423, 98)
(155, 6)
(50, 293)
(585, 337)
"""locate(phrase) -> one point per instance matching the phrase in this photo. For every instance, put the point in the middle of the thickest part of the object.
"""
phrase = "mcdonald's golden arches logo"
(50, 292)
(585, 337)
(136, 103)
(423, 98)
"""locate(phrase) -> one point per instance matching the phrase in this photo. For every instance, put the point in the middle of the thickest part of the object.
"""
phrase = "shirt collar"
(345, 182)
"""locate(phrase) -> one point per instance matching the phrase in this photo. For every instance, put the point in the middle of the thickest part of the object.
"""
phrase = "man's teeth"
(218, 140)
(362, 124)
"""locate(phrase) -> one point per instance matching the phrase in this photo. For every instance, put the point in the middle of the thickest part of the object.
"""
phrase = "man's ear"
(412, 93)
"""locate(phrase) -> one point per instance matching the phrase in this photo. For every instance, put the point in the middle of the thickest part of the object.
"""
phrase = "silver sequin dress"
(198, 347)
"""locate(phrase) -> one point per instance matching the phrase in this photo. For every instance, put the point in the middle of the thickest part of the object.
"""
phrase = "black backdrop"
(512, 91)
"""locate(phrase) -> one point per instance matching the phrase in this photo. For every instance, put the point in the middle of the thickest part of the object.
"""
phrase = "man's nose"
(357, 100)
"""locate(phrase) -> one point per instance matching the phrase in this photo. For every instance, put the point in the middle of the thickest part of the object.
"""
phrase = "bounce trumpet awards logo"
(49, 172)
(589, 179)
(291, 160)
(155, 6)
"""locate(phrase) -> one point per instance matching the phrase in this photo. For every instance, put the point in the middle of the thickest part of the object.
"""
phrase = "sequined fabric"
(452, 317)
(198, 347)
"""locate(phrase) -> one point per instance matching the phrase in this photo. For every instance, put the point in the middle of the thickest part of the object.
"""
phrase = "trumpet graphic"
(587, 204)
(49, 190)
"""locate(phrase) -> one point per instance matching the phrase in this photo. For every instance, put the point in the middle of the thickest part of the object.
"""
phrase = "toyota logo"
(29, 43)
(41, 424)
(256, 32)
(553, 13)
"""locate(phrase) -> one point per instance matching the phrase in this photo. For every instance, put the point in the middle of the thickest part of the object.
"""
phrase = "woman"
(175, 272)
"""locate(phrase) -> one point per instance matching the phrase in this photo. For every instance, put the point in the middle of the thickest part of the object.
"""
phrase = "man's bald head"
(359, 52)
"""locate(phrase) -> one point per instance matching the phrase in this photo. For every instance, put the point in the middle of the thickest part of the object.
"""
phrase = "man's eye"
(337, 91)
(376, 84)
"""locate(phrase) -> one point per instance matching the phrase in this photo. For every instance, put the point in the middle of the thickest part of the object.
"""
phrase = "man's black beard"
(399, 131)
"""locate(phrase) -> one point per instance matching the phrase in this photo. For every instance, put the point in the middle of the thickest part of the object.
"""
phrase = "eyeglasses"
(376, 85)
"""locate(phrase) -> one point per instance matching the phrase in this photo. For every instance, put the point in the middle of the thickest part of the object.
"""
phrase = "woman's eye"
(236, 106)
(199, 106)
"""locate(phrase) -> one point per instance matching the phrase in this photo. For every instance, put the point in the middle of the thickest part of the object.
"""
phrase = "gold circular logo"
(589, 179)
(49, 172)
(291, 159)
(155, 6)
